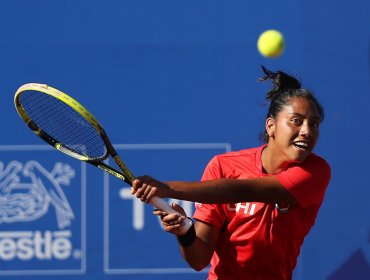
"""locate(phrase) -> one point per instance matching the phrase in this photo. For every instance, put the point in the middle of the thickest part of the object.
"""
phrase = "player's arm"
(199, 254)
(265, 189)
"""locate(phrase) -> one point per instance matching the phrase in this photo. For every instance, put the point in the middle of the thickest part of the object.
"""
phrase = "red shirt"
(258, 241)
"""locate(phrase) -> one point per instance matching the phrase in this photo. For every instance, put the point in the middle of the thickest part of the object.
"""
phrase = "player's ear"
(270, 126)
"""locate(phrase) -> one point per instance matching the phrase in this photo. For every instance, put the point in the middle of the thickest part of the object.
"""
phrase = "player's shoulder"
(318, 160)
(241, 154)
(318, 165)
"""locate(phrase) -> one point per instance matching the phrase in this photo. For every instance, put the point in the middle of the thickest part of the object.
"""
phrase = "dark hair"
(284, 88)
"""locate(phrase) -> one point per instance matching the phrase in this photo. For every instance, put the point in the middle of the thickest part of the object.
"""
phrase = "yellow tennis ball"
(271, 43)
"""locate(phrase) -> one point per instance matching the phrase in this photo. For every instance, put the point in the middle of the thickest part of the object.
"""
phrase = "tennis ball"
(271, 43)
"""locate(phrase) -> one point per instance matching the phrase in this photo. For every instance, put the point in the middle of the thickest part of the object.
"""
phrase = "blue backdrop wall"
(173, 83)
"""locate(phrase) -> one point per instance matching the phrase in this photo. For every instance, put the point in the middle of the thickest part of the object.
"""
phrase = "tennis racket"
(65, 124)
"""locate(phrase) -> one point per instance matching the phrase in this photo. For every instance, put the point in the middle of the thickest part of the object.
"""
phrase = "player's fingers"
(172, 222)
(140, 192)
(173, 225)
(178, 208)
(146, 192)
(152, 193)
(173, 218)
(135, 186)
(160, 213)
(172, 228)
(138, 182)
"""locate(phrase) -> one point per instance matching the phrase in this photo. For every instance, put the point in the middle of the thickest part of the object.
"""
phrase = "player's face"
(295, 131)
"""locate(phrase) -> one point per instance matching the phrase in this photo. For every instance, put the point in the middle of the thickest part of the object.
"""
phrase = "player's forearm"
(226, 190)
(213, 191)
(265, 189)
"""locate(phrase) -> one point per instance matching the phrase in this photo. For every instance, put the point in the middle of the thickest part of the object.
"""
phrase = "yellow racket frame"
(57, 94)
(62, 97)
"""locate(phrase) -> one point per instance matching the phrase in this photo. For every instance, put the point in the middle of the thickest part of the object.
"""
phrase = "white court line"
(174, 146)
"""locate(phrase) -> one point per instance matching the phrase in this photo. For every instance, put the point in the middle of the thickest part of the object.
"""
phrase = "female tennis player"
(255, 206)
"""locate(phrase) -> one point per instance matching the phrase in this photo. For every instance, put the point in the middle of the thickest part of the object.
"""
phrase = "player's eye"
(297, 121)
(315, 124)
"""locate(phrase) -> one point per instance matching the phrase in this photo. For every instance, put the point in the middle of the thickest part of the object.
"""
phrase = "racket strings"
(63, 123)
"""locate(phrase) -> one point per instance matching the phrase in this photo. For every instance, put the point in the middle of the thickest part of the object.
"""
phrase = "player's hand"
(146, 187)
(174, 222)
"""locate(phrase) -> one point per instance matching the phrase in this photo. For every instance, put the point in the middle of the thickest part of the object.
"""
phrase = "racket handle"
(159, 203)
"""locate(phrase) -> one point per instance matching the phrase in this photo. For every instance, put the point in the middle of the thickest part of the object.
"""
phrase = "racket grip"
(159, 203)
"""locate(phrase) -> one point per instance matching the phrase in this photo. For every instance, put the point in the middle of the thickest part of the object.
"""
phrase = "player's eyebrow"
(304, 116)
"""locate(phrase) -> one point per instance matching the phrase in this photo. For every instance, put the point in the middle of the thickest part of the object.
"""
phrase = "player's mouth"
(302, 145)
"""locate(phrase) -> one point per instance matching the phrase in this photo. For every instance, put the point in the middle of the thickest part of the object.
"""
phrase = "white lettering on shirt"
(242, 207)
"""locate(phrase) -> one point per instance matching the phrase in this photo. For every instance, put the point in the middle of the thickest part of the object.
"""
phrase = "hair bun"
(281, 82)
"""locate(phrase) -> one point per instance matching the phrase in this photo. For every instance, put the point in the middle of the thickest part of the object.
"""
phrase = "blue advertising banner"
(173, 83)
(43, 212)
